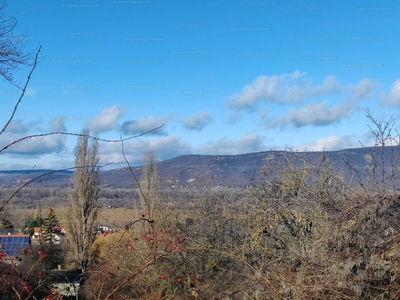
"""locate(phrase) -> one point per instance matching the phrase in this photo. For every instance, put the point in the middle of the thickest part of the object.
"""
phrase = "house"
(13, 245)
(56, 236)
(103, 228)
(36, 232)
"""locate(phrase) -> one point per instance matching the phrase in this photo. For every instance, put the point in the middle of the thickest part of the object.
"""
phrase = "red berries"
(182, 239)
(41, 254)
(144, 213)
(131, 247)
(105, 233)
(40, 274)
(173, 247)
(179, 279)
(27, 289)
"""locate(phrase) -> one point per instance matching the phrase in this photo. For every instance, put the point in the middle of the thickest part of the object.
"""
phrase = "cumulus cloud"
(393, 97)
(107, 119)
(286, 88)
(320, 114)
(197, 121)
(143, 125)
(34, 147)
(250, 142)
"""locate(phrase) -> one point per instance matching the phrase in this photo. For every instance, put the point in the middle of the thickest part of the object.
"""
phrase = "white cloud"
(331, 143)
(363, 89)
(145, 124)
(286, 88)
(393, 97)
(107, 119)
(31, 147)
(36, 146)
(250, 142)
(198, 121)
(298, 87)
(320, 114)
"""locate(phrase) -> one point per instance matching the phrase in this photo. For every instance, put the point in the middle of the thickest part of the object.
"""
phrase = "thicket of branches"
(301, 233)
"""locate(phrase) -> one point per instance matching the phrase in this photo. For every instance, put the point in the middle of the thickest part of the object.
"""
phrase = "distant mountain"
(11, 178)
(187, 170)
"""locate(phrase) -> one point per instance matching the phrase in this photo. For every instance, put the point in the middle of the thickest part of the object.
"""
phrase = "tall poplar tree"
(82, 221)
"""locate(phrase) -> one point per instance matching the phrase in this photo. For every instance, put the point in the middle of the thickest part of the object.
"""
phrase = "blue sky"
(223, 77)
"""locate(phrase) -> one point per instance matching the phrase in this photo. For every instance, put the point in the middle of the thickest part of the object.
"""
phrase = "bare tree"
(83, 213)
(149, 196)
(12, 54)
(385, 169)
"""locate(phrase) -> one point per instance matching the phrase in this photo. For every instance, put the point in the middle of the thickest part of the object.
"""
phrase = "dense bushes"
(326, 241)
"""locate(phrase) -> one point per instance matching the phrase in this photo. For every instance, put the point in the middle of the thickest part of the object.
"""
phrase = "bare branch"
(12, 54)
(131, 170)
(22, 93)
(76, 134)
(5, 202)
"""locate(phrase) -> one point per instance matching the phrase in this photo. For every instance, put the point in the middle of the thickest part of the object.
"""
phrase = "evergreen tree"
(48, 224)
